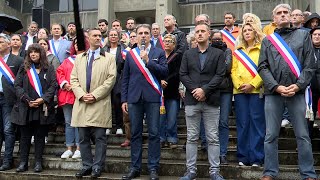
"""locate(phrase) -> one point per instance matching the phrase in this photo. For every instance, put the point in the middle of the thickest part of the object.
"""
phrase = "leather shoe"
(126, 143)
(37, 167)
(5, 167)
(154, 175)
(266, 178)
(83, 172)
(96, 173)
(23, 166)
(132, 174)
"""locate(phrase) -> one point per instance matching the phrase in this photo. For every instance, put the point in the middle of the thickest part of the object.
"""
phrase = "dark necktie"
(89, 71)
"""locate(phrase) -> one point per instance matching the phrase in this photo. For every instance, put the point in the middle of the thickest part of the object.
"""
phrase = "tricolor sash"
(294, 65)
(72, 58)
(125, 52)
(34, 80)
(160, 40)
(229, 37)
(6, 71)
(53, 49)
(102, 42)
(135, 53)
(127, 35)
(246, 62)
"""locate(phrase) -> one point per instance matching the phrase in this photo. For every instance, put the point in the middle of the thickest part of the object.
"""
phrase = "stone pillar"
(315, 6)
(106, 10)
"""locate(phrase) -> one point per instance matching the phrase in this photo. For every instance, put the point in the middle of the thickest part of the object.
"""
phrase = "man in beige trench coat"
(92, 79)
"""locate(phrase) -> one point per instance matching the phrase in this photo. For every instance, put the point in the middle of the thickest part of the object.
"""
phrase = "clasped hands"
(88, 98)
(246, 88)
(199, 94)
(287, 91)
(36, 103)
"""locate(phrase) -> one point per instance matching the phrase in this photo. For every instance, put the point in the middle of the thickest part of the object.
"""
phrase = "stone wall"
(4, 9)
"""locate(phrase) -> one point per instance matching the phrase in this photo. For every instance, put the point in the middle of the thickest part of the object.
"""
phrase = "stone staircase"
(172, 164)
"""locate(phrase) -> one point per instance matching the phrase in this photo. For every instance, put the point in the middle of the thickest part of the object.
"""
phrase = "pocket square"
(155, 59)
(11, 66)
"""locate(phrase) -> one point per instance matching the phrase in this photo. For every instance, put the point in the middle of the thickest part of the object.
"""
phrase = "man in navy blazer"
(140, 96)
(59, 47)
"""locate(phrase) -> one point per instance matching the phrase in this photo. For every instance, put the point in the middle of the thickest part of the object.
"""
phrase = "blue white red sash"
(34, 80)
(6, 71)
(160, 40)
(102, 42)
(53, 49)
(228, 36)
(125, 52)
(127, 35)
(72, 58)
(246, 62)
(295, 66)
(135, 53)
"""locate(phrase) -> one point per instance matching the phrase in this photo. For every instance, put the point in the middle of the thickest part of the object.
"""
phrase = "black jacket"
(14, 63)
(25, 92)
(275, 71)
(173, 80)
(181, 40)
(307, 23)
(315, 81)
(25, 40)
(209, 78)
(119, 64)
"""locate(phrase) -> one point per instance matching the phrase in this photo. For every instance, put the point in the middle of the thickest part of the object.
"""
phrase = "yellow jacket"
(269, 29)
(241, 75)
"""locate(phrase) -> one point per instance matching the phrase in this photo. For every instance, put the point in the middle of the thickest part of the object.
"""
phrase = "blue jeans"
(7, 133)
(274, 106)
(251, 128)
(210, 115)
(72, 133)
(168, 121)
(286, 114)
(136, 114)
(225, 108)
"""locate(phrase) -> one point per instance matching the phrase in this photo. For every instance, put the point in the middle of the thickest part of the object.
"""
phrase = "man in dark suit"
(8, 69)
(201, 72)
(144, 67)
(156, 36)
(31, 36)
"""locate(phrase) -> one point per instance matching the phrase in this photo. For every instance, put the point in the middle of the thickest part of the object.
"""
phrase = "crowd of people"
(140, 76)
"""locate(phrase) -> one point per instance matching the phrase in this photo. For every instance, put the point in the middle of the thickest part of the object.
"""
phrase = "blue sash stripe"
(54, 50)
(6, 76)
(37, 79)
(249, 59)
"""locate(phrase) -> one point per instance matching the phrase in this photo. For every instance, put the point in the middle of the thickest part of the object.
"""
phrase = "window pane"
(27, 6)
(88, 5)
(52, 5)
(15, 4)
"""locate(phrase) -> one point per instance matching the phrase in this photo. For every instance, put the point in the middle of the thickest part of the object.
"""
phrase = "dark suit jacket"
(14, 63)
(209, 78)
(25, 40)
(135, 85)
(158, 45)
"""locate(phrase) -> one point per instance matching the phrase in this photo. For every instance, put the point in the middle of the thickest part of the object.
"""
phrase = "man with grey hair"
(31, 36)
(9, 69)
(156, 39)
(286, 77)
(170, 23)
(147, 65)
(202, 18)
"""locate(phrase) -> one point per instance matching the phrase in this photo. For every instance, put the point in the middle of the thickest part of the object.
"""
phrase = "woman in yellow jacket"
(249, 103)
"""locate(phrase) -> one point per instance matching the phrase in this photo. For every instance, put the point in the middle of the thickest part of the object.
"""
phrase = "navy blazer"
(134, 84)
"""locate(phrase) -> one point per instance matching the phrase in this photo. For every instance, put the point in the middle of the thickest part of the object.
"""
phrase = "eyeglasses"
(168, 41)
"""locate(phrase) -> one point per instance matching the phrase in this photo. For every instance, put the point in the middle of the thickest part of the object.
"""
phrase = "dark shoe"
(188, 176)
(83, 172)
(164, 144)
(132, 174)
(223, 160)
(216, 176)
(5, 167)
(266, 178)
(96, 173)
(23, 166)
(154, 175)
(37, 167)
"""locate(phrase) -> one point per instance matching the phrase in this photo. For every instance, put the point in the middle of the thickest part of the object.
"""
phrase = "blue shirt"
(5, 59)
(96, 54)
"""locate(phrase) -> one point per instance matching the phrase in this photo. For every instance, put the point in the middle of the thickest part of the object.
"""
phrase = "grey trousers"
(210, 115)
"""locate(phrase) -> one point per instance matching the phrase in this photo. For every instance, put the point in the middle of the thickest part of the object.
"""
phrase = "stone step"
(167, 168)
(285, 157)
(284, 143)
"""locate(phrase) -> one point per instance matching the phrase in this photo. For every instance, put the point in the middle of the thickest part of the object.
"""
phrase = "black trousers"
(88, 161)
(39, 132)
(117, 116)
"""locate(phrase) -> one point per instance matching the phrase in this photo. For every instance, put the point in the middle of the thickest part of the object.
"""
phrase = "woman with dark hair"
(43, 33)
(16, 43)
(66, 100)
(35, 87)
(52, 59)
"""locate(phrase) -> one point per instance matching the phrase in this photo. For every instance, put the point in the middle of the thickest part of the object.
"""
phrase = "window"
(15, 4)
(67, 5)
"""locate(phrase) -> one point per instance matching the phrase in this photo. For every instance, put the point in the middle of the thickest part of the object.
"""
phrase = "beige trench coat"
(99, 113)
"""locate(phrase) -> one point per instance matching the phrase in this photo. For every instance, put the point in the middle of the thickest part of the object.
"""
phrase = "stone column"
(315, 6)
(106, 10)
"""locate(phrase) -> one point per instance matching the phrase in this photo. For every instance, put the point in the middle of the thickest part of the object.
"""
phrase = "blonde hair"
(256, 19)
(258, 35)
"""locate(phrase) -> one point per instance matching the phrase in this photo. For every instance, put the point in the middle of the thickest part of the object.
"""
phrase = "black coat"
(14, 62)
(209, 78)
(25, 92)
(181, 40)
(173, 80)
